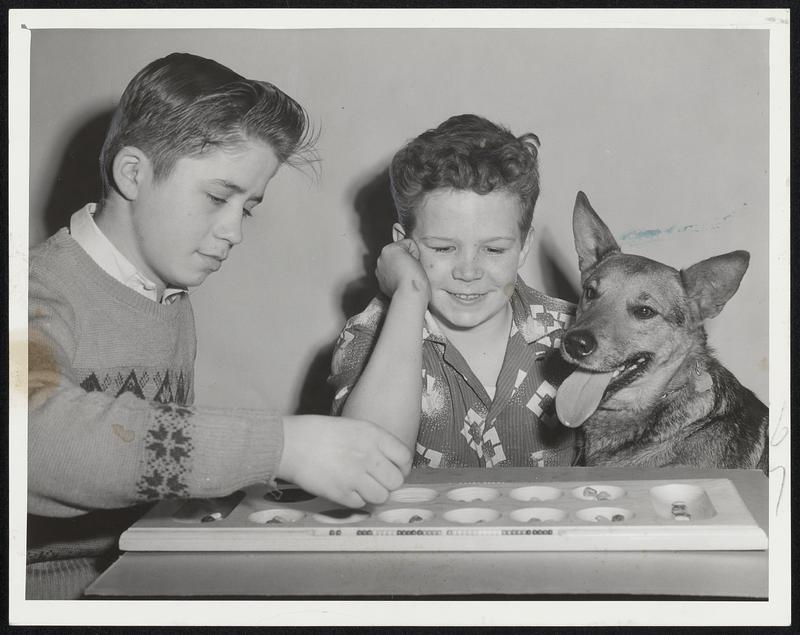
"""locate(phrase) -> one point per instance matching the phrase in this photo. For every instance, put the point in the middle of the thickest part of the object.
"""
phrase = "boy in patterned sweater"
(456, 311)
(189, 153)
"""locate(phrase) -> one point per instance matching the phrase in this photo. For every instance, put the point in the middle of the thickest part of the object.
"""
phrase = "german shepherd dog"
(647, 389)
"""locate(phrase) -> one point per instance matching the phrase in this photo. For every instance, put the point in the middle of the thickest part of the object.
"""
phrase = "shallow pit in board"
(611, 515)
(534, 493)
(413, 495)
(276, 516)
(405, 515)
(288, 495)
(205, 510)
(472, 515)
(538, 515)
(340, 516)
(597, 492)
(681, 502)
(471, 494)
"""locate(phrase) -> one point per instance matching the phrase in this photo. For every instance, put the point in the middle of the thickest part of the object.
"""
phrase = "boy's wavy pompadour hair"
(466, 152)
(185, 105)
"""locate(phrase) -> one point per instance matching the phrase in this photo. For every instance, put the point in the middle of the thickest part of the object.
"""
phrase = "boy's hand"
(399, 269)
(348, 461)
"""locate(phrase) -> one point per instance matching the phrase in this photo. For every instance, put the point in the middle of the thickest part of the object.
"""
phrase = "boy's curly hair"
(466, 152)
(184, 105)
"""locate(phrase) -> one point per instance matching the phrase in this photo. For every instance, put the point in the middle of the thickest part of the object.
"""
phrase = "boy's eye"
(496, 250)
(590, 293)
(247, 213)
(442, 250)
(216, 199)
(643, 312)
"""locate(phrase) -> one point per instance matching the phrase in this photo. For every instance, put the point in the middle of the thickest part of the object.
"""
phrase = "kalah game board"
(635, 515)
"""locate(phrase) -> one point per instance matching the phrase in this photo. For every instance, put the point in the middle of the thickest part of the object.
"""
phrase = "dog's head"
(636, 316)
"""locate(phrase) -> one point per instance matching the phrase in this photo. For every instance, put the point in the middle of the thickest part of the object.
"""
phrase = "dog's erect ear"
(593, 240)
(711, 283)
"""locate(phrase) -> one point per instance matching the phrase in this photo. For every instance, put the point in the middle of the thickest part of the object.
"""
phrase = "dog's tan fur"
(685, 408)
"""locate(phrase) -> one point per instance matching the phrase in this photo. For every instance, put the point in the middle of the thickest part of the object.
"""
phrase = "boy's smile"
(184, 225)
(471, 249)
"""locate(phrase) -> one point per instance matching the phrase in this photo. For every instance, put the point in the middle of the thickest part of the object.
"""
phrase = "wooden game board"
(598, 515)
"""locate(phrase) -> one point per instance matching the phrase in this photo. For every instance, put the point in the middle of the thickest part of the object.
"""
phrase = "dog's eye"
(590, 293)
(643, 312)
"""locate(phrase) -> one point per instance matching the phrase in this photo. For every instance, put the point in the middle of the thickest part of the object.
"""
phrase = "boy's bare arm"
(389, 390)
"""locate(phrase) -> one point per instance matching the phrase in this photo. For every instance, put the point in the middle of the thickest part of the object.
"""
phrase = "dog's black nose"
(580, 344)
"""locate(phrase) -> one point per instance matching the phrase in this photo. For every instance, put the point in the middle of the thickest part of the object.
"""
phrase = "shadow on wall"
(556, 283)
(375, 209)
(78, 177)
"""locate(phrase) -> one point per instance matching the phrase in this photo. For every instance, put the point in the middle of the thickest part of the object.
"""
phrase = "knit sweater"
(111, 423)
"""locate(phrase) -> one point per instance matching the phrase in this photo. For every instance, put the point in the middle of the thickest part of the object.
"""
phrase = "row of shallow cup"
(464, 515)
(524, 494)
(667, 493)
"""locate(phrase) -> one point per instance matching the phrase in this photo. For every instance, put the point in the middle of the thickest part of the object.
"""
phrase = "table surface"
(523, 575)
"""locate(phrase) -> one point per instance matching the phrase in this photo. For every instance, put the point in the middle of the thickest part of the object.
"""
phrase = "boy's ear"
(128, 170)
(711, 283)
(593, 239)
(398, 233)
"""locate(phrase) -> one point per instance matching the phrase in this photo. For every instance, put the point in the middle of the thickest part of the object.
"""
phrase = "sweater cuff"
(233, 449)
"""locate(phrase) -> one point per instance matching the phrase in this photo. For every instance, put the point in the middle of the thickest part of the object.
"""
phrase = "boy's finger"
(352, 499)
(396, 451)
(371, 490)
(413, 248)
(387, 474)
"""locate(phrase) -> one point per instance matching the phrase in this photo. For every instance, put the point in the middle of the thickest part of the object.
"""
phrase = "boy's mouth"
(467, 298)
(214, 260)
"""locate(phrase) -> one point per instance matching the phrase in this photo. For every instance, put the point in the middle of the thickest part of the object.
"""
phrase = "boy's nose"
(468, 269)
(230, 229)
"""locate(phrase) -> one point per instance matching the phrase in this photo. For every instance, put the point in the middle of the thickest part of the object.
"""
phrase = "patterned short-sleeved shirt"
(461, 425)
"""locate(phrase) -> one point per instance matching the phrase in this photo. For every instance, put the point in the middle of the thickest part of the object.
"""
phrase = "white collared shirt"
(94, 242)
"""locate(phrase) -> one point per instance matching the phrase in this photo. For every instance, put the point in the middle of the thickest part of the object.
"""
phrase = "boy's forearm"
(91, 451)
(389, 391)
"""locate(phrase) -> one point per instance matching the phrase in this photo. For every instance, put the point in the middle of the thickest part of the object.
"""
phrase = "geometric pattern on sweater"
(168, 454)
(146, 384)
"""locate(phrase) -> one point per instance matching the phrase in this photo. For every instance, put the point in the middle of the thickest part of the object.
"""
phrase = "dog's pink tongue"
(579, 395)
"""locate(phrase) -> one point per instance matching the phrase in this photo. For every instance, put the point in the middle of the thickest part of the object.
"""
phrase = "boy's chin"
(459, 322)
(190, 280)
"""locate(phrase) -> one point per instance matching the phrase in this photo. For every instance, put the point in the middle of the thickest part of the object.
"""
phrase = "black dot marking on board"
(289, 495)
(343, 512)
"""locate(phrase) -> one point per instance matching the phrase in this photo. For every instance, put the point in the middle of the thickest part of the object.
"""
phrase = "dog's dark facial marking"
(676, 316)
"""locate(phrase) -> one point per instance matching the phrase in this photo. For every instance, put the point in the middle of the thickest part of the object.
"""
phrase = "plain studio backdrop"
(667, 132)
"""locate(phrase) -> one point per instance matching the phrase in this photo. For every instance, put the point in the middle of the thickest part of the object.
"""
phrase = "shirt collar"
(95, 243)
(536, 321)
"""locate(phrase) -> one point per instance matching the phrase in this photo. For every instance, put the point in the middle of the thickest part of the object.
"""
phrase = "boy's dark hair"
(466, 152)
(182, 105)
